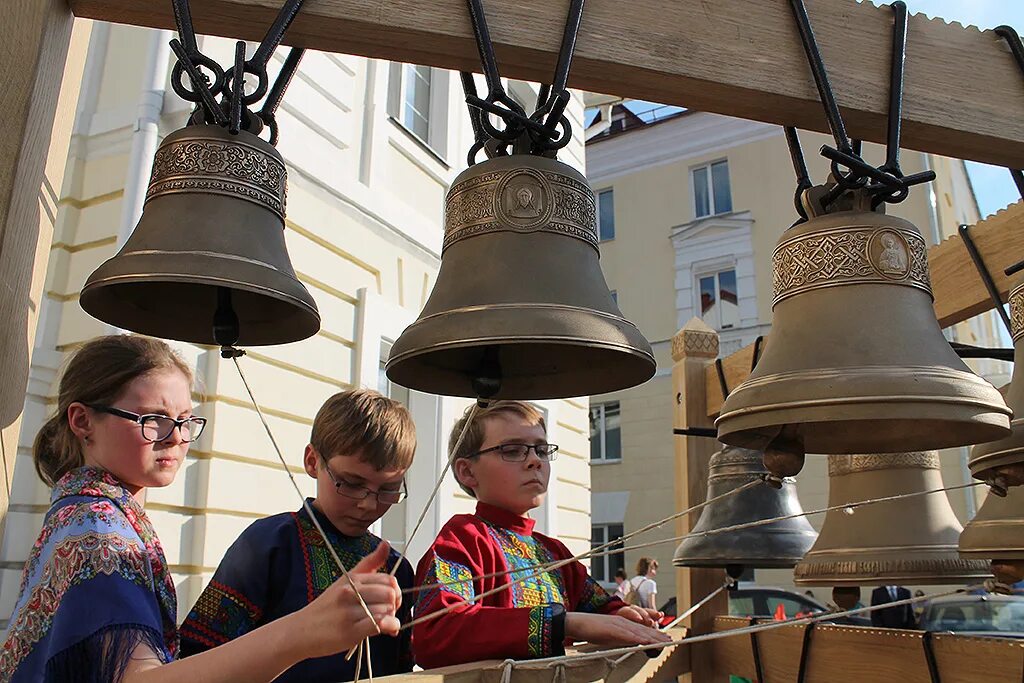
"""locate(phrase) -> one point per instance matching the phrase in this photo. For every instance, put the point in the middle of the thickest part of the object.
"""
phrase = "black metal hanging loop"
(887, 182)
(547, 129)
(257, 64)
(233, 110)
(1012, 38)
(268, 113)
(497, 101)
(843, 151)
(204, 89)
(803, 179)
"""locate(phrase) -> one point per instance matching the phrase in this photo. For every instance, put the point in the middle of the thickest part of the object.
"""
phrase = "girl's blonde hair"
(98, 373)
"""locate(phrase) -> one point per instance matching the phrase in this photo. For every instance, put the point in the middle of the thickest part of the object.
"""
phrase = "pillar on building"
(694, 347)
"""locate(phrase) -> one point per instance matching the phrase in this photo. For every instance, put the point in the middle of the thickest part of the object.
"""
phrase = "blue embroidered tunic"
(95, 586)
(278, 566)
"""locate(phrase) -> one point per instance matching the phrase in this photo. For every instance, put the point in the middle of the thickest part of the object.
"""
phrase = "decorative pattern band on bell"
(520, 308)
(855, 361)
(211, 237)
(1002, 462)
(909, 540)
(779, 544)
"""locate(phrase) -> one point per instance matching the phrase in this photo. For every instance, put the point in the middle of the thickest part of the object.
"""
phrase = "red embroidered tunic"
(522, 622)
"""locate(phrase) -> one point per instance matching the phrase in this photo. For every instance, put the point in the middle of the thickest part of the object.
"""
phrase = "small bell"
(209, 248)
(1002, 462)
(856, 361)
(997, 533)
(903, 541)
(520, 308)
(779, 544)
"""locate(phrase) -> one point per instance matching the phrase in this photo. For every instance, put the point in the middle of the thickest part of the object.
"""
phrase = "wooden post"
(37, 115)
(694, 348)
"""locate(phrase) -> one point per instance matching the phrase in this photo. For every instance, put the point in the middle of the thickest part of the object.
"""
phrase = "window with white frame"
(605, 432)
(711, 192)
(605, 215)
(417, 100)
(603, 568)
(719, 300)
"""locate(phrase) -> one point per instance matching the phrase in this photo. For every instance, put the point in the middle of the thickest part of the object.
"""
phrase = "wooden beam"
(671, 662)
(956, 284)
(694, 348)
(864, 654)
(736, 57)
(957, 287)
(37, 114)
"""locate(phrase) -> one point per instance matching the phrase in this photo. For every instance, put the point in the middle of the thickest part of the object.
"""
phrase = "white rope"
(598, 551)
(359, 660)
(561, 563)
(746, 630)
(437, 485)
(693, 608)
(305, 503)
(506, 670)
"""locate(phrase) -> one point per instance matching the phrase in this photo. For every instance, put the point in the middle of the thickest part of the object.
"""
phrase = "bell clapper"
(225, 325)
(487, 380)
(784, 456)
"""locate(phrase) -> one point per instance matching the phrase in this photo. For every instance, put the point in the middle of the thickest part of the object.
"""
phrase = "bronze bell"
(211, 236)
(1002, 462)
(909, 540)
(520, 309)
(856, 361)
(780, 544)
(997, 533)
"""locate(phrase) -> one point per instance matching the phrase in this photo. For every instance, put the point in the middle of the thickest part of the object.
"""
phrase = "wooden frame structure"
(735, 57)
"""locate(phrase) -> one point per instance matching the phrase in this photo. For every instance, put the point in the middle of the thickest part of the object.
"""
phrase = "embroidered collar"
(503, 518)
(326, 523)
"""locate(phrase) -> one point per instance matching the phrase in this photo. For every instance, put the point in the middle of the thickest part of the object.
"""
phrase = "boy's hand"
(610, 629)
(641, 615)
(335, 621)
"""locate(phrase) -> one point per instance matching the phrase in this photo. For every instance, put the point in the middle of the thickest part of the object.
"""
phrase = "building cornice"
(683, 137)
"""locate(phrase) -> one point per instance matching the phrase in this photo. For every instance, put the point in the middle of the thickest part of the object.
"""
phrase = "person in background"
(901, 616)
(643, 590)
(623, 584)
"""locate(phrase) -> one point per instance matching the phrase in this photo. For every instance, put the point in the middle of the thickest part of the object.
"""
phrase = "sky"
(992, 184)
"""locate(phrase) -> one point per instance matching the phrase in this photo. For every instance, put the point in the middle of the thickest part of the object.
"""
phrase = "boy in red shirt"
(505, 463)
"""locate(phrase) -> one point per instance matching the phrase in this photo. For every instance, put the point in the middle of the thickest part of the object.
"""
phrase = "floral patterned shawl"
(95, 586)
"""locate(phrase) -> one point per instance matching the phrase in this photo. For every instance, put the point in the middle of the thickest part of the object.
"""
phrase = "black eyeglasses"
(517, 452)
(158, 427)
(360, 492)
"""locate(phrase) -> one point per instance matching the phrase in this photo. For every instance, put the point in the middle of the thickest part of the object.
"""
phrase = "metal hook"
(1012, 38)
(803, 180)
(276, 94)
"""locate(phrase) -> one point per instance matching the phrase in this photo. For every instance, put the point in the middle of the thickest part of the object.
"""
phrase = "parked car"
(979, 615)
(749, 600)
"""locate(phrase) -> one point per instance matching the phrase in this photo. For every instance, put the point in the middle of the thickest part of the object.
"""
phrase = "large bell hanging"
(856, 361)
(211, 234)
(520, 308)
(1002, 462)
(779, 544)
(903, 541)
(997, 533)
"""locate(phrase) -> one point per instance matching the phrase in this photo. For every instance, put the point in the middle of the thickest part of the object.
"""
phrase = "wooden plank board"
(957, 287)
(736, 57)
(865, 654)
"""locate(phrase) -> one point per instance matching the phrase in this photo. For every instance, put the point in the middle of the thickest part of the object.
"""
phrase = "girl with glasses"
(97, 600)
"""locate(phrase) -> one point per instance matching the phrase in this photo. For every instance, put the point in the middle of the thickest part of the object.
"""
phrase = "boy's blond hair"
(367, 424)
(474, 439)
